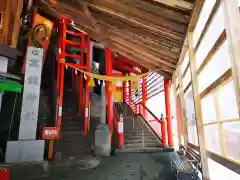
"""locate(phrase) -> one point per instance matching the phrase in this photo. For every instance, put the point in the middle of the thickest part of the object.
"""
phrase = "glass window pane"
(192, 135)
(189, 103)
(185, 62)
(217, 66)
(232, 140)
(190, 113)
(203, 17)
(208, 109)
(219, 172)
(186, 78)
(227, 102)
(214, 31)
(212, 138)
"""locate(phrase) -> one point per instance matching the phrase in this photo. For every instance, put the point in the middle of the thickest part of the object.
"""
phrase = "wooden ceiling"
(150, 32)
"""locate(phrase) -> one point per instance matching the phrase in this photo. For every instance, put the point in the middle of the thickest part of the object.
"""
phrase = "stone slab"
(25, 151)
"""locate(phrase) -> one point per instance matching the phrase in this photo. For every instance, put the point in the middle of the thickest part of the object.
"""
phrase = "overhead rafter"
(149, 32)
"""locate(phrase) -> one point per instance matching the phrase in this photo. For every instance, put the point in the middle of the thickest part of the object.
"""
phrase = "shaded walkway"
(123, 166)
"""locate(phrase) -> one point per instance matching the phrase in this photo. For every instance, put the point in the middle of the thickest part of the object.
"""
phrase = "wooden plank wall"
(9, 32)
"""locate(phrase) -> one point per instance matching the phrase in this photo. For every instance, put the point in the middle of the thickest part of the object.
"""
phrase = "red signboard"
(50, 133)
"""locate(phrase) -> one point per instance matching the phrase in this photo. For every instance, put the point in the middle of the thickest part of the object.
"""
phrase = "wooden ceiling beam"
(164, 59)
(160, 52)
(118, 24)
(141, 51)
(142, 57)
(178, 4)
(129, 11)
(137, 23)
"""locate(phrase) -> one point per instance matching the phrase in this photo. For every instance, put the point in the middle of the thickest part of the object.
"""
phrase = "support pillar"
(124, 91)
(108, 91)
(103, 133)
(86, 115)
(167, 85)
(103, 104)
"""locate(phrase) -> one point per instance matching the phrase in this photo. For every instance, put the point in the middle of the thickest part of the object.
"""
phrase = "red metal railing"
(132, 105)
(158, 126)
(62, 62)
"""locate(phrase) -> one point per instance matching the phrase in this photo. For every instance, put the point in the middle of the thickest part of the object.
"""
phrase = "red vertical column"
(59, 56)
(167, 86)
(87, 115)
(130, 93)
(144, 95)
(81, 77)
(124, 91)
(108, 92)
(61, 80)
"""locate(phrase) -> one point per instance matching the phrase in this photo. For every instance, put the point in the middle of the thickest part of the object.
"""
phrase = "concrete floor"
(123, 166)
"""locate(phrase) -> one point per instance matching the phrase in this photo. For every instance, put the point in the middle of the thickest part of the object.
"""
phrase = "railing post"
(167, 85)
(163, 132)
(121, 132)
(144, 95)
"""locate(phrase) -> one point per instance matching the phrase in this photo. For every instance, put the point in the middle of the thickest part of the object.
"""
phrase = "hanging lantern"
(91, 83)
(136, 85)
(112, 87)
(118, 96)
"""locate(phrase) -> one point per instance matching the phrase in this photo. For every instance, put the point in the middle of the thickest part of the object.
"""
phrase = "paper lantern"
(118, 96)
(136, 85)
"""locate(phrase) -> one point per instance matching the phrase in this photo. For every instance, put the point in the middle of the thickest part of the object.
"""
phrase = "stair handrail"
(162, 122)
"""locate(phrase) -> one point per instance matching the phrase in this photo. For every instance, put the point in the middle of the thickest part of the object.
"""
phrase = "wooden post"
(183, 105)
(175, 95)
(232, 19)
(17, 24)
(198, 111)
(9, 31)
(50, 149)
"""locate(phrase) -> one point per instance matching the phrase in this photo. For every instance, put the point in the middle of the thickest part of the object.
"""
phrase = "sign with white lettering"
(31, 93)
(50, 133)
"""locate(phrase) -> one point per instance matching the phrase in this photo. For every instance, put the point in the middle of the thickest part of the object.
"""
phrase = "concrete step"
(72, 128)
(72, 123)
(71, 133)
(130, 141)
(138, 135)
(140, 145)
(138, 132)
(135, 137)
(140, 150)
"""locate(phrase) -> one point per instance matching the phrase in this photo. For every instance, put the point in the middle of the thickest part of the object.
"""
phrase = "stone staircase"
(138, 137)
(73, 145)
